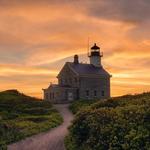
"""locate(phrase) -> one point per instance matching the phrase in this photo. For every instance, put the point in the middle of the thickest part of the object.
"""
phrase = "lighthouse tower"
(95, 56)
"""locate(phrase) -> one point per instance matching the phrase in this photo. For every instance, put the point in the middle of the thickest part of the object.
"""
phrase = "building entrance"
(70, 96)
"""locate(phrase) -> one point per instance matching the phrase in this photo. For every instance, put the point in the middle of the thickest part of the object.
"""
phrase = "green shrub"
(22, 116)
(78, 105)
(121, 123)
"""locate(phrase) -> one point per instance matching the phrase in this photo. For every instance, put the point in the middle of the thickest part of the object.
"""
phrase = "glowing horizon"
(37, 38)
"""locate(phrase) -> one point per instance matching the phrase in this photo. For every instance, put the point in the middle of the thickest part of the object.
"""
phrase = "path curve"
(51, 140)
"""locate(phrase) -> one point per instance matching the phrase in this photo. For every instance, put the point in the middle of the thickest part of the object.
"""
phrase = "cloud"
(125, 10)
(38, 37)
(122, 10)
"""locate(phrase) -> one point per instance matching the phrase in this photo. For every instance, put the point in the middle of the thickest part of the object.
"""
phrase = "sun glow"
(36, 39)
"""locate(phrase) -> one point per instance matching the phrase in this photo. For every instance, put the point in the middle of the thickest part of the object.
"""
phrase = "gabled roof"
(88, 69)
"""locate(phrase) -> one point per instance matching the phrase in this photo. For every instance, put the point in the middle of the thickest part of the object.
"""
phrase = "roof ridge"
(90, 69)
(80, 63)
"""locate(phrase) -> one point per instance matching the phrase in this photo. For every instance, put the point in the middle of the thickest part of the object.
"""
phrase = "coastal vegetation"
(22, 116)
(120, 123)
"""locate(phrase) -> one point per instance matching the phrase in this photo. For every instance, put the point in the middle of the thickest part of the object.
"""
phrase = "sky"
(37, 37)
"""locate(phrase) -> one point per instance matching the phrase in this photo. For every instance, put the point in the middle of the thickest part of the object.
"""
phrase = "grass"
(22, 116)
(120, 123)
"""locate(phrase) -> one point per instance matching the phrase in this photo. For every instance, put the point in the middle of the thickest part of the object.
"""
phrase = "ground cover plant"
(22, 116)
(121, 123)
(76, 106)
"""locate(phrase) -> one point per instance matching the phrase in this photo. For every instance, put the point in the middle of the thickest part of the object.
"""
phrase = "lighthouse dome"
(95, 47)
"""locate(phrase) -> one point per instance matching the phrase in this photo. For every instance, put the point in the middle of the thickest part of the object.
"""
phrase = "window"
(61, 81)
(70, 80)
(66, 81)
(103, 93)
(95, 93)
(53, 96)
(46, 95)
(76, 80)
(50, 95)
(87, 92)
(77, 93)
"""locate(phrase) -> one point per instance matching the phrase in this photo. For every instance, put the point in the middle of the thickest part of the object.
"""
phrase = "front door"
(70, 96)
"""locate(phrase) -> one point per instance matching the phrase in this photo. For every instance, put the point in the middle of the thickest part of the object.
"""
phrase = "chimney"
(76, 60)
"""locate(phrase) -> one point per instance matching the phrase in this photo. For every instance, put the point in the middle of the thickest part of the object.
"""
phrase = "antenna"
(88, 50)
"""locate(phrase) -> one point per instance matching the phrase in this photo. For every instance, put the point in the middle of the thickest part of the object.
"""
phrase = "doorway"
(70, 96)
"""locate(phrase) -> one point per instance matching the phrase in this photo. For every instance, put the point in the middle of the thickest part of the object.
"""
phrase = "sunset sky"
(38, 36)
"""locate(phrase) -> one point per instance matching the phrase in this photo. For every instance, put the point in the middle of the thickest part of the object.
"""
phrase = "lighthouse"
(95, 56)
(78, 80)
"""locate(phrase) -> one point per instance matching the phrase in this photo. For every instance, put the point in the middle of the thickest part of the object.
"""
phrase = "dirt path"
(51, 140)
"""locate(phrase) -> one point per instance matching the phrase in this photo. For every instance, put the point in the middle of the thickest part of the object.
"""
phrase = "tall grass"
(22, 116)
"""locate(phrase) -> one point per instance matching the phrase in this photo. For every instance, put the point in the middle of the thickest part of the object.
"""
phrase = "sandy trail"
(51, 140)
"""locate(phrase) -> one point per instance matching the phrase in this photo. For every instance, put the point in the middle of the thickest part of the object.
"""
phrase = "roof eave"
(94, 76)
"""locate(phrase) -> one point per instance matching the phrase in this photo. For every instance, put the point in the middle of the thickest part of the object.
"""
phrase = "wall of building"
(60, 94)
(52, 94)
(89, 88)
(68, 78)
(94, 88)
(72, 87)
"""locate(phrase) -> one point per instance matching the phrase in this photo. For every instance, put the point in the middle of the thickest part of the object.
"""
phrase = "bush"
(80, 104)
(22, 116)
(116, 124)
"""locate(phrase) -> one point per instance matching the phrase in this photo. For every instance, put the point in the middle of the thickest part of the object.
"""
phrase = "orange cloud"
(36, 39)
